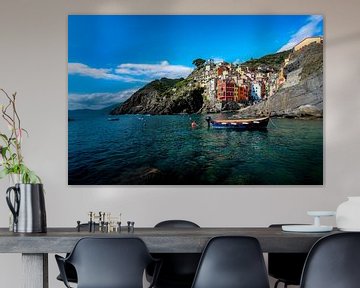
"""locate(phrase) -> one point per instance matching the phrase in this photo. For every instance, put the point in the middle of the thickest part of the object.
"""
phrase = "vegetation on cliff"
(164, 96)
(274, 61)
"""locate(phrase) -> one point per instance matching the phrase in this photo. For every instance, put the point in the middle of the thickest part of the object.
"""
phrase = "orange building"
(243, 93)
(226, 90)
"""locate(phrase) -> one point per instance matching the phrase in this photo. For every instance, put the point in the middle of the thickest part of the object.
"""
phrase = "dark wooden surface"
(60, 240)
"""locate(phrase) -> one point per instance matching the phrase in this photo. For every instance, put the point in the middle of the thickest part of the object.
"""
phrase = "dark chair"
(333, 262)
(69, 269)
(286, 267)
(232, 262)
(108, 263)
(178, 269)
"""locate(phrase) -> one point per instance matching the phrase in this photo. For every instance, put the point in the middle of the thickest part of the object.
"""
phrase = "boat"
(240, 124)
(113, 119)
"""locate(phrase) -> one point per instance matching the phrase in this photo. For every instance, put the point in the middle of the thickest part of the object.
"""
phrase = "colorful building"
(226, 90)
(243, 93)
(255, 91)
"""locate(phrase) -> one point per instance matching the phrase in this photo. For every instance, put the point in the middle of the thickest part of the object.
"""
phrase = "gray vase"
(27, 204)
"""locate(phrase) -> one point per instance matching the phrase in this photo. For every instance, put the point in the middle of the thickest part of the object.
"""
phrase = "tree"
(198, 62)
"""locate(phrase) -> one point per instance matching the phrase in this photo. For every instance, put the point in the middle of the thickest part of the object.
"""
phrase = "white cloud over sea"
(131, 72)
(97, 73)
(311, 28)
(154, 71)
(96, 101)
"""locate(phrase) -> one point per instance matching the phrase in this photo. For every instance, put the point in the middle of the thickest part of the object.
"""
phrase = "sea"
(167, 150)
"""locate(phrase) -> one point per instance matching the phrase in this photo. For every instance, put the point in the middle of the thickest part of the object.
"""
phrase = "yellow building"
(307, 41)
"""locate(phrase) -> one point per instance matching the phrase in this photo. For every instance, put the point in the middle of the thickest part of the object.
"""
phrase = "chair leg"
(278, 282)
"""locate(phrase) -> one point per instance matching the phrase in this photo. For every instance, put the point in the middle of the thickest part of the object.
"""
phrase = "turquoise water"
(141, 149)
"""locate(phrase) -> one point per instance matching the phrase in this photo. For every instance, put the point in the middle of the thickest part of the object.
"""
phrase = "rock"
(164, 96)
(300, 96)
(302, 93)
(308, 111)
(230, 106)
(145, 175)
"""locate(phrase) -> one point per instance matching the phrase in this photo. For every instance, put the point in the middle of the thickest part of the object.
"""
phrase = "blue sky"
(111, 56)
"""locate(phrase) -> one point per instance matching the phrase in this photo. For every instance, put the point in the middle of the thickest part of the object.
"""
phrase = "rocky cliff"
(164, 96)
(302, 93)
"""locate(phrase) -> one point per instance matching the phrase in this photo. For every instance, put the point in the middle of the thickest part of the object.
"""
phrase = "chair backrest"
(232, 262)
(333, 262)
(178, 269)
(110, 262)
(286, 267)
(176, 224)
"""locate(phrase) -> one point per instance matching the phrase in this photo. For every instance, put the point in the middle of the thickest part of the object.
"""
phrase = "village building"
(211, 91)
(307, 41)
(226, 90)
(244, 93)
(255, 91)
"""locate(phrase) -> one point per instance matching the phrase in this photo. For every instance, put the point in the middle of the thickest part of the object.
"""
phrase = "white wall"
(33, 62)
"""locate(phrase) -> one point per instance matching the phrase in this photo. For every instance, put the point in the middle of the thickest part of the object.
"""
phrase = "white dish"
(321, 213)
(306, 228)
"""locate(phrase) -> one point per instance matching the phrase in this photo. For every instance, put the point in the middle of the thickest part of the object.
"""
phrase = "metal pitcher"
(28, 207)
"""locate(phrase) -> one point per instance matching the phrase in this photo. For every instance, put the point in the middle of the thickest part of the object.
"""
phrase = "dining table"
(35, 247)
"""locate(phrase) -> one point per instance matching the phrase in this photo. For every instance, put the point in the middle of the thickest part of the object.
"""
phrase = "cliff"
(302, 93)
(164, 96)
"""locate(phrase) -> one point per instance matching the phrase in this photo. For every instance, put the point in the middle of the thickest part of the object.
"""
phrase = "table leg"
(35, 270)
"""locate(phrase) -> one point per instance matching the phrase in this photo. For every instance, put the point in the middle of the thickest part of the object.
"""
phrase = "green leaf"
(3, 151)
(33, 178)
(4, 173)
(4, 137)
(27, 133)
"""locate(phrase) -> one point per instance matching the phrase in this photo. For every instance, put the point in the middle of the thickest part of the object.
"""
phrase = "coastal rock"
(230, 106)
(302, 93)
(146, 99)
(144, 175)
(308, 111)
(164, 96)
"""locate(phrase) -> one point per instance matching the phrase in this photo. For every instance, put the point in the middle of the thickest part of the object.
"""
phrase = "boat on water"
(241, 124)
(112, 119)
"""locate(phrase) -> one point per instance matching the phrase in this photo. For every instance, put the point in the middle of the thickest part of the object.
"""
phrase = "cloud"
(311, 28)
(98, 101)
(130, 72)
(237, 61)
(98, 73)
(218, 60)
(154, 71)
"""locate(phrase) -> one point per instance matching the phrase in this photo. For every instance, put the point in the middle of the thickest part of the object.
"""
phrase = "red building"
(244, 93)
(226, 90)
(221, 70)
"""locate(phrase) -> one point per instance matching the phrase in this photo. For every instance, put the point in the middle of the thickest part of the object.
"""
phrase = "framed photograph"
(195, 100)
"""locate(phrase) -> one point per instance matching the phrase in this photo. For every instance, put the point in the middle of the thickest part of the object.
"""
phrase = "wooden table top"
(158, 240)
